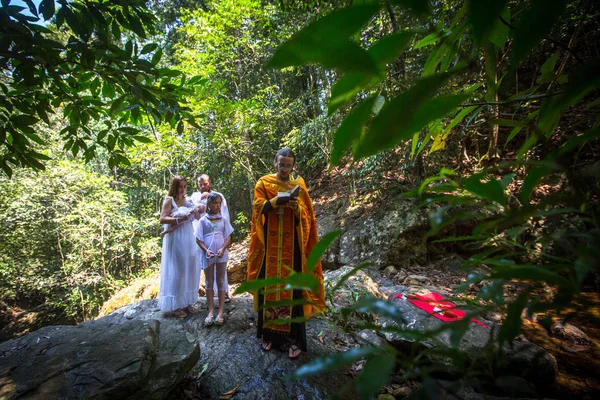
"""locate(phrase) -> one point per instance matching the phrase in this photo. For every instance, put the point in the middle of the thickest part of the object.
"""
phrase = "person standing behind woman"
(283, 233)
(179, 269)
(213, 235)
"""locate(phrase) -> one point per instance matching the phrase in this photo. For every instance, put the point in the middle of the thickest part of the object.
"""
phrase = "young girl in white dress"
(179, 270)
(213, 235)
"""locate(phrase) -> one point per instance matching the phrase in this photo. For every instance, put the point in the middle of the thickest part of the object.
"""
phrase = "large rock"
(103, 359)
(231, 355)
(521, 358)
(381, 235)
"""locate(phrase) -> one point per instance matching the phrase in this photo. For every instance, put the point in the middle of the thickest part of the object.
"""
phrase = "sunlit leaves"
(382, 51)
(94, 71)
(327, 42)
(406, 114)
(351, 129)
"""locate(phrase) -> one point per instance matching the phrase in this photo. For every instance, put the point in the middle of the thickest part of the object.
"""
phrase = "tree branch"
(517, 100)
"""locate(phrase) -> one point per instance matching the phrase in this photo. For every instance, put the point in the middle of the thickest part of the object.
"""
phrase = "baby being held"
(184, 213)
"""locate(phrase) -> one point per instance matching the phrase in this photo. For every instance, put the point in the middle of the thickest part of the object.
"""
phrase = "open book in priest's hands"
(284, 197)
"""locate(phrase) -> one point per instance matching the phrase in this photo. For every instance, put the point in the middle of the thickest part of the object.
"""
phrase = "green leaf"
(383, 51)
(420, 8)
(348, 275)
(533, 177)
(31, 6)
(302, 281)
(491, 190)
(320, 248)
(34, 137)
(149, 48)
(577, 141)
(499, 34)
(407, 114)
(351, 129)
(430, 39)
(23, 120)
(458, 331)
(142, 139)
(157, 56)
(258, 284)
(47, 9)
(376, 373)
(346, 88)
(524, 123)
(116, 105)
(108, 90)
(111, 142)
(445, 50)
(326, 42)
(584, 80)
(333, 362)
(95, 87)
(389, 48)
(136, 25)
(511, 326)
(547, 70)
(484, 16)
(369, 304)
(536, 23)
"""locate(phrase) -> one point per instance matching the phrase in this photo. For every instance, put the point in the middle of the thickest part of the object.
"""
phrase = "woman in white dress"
(179, 267)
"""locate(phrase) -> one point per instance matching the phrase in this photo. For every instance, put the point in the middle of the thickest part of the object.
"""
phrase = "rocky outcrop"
(231, 357)
(380, 235)
(137, 352)
(101, 359)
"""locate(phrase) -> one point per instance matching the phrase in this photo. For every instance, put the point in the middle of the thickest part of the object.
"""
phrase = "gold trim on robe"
(279, 250)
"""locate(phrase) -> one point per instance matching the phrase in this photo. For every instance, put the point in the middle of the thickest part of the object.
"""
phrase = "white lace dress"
(179, 267)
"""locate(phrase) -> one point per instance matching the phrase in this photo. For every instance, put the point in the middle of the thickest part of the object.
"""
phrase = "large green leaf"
(320, 248)
(351, 129)
(376, 373)
(47, 9)
(512, 324)
(445, 50)
(491, 190)
(484, 16)
(383, 51)
(500, 31)
(258, 284)
(407, 114)
(331, 363)
(535, 24)
(326, 42)
(584, 80)
(534, 176)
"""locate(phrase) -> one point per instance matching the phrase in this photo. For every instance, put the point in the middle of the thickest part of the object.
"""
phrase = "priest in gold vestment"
(283, 233)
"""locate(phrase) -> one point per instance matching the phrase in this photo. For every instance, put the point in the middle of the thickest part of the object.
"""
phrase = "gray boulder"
(102, 359)
(231, 357)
